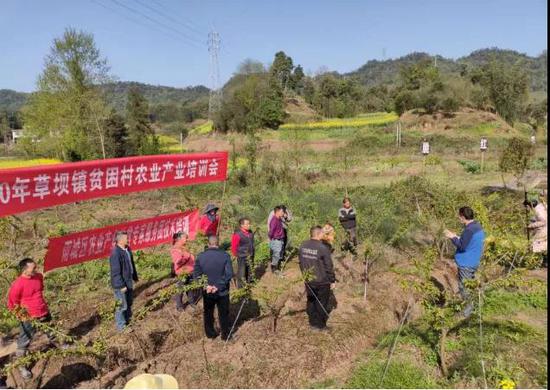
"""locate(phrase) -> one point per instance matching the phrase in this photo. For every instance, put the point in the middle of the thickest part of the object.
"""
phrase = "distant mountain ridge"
(374, 72)
(117, 94)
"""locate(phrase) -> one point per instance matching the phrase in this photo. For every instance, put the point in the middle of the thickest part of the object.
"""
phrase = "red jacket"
(235, 241)
(29, 294)
(207, 227)
(183, 261)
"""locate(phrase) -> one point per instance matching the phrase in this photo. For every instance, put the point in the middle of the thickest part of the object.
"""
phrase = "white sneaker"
(25, 372)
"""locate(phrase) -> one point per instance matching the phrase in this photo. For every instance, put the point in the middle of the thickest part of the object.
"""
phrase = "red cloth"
(184, 262)
(235, 241)
(29, 294)
(207, 227)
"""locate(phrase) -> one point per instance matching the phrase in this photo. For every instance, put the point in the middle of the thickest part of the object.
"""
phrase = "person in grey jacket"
(347, 217)
(216, 265)
(123, 276)
(315, 259)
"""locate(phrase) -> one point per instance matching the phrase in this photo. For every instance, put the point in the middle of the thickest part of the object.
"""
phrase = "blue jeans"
(123, 311)
(27, 332)
(276, 247)
(465, 273)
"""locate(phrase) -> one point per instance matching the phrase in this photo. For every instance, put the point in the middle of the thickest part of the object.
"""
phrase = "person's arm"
(329, 267)
(134, 274)
(228, 271)
(463, 241)
(116, 270)
(342, 215)
(197, 270)
(351, 214)
(14, 296)
(272, 225)
(235, 240)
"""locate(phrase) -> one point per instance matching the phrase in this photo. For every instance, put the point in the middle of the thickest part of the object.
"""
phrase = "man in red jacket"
(26, 300)
(242, 248)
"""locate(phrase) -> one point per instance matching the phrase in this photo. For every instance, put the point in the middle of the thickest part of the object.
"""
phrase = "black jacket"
(121, 274)
(347, 218)
(245, 250)
(216, 265)
(315, 256)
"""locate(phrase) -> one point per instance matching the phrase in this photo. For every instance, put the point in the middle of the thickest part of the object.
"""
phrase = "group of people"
(27, 301)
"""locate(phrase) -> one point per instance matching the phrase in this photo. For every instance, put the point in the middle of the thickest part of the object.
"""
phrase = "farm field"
(402, 199)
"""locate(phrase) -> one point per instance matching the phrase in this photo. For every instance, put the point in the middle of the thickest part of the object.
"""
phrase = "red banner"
(24, 189)
(97, 243)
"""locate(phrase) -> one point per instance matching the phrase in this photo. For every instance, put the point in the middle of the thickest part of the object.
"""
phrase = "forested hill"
(117, 95)
(376, 72)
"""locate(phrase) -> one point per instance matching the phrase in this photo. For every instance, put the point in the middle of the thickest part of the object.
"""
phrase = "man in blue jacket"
(469, 249)
(123, 276)
(216, 265)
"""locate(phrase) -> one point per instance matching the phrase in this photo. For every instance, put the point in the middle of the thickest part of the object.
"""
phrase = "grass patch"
(400, 375)
(501, 302)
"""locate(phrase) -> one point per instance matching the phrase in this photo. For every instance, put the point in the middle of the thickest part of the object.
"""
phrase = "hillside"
(117, 94)
(376, 72)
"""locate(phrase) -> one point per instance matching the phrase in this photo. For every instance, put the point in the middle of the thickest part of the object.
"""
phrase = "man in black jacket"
(315, 259)
(123, 276)
(347, 217)
(216, 265)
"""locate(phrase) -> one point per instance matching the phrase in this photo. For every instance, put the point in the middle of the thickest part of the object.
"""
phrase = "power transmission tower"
(215, 101)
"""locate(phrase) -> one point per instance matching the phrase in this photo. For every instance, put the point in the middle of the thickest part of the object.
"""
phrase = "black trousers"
(243, 272)
(210, 301)
(192, 295)
(317, 305)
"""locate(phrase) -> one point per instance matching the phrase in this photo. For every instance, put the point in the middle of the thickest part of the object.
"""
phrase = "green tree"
(297, 79)
(67, 111)
(141, 136)
(515, 158)
(281, 69)
(116, 136)
(506, 86)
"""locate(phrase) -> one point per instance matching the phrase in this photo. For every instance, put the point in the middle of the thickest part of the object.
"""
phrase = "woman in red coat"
(209, 222)
(183, 263)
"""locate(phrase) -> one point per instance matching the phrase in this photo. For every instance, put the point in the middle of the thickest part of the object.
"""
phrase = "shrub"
(470, 166)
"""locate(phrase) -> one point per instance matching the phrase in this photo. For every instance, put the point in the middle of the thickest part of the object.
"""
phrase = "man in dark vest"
(123, 276)
(315, 259)
(242, 247)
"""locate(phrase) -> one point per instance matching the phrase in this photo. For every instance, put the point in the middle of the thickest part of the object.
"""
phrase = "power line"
(191, 25)
(133, 10)
(171, 18)
(137, 21)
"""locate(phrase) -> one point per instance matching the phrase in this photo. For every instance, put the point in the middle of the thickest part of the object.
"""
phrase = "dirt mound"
(299, 111)
(466, 119)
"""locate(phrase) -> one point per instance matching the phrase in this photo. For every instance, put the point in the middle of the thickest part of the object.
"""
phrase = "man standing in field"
(123, 276)
(286, 219)
(242, 248)
(347, 217)
(315, 260)
(26, 300)
(216, 265)
(276, 236)
(469, 249)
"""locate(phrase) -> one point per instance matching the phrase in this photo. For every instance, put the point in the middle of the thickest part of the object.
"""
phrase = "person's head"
(466, 214)
(27, 267)
(328, 232)
(244, 223)
(278, 211)
(121, 239)
(346, 202)
(316, 232)
(180, 238)
(213, 241)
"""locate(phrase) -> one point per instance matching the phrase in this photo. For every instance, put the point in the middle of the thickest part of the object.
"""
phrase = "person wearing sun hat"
(149, 381)
(210, 220)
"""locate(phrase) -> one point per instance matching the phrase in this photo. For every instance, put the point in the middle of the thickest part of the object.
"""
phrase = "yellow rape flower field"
(6, 164)
(360, 121)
